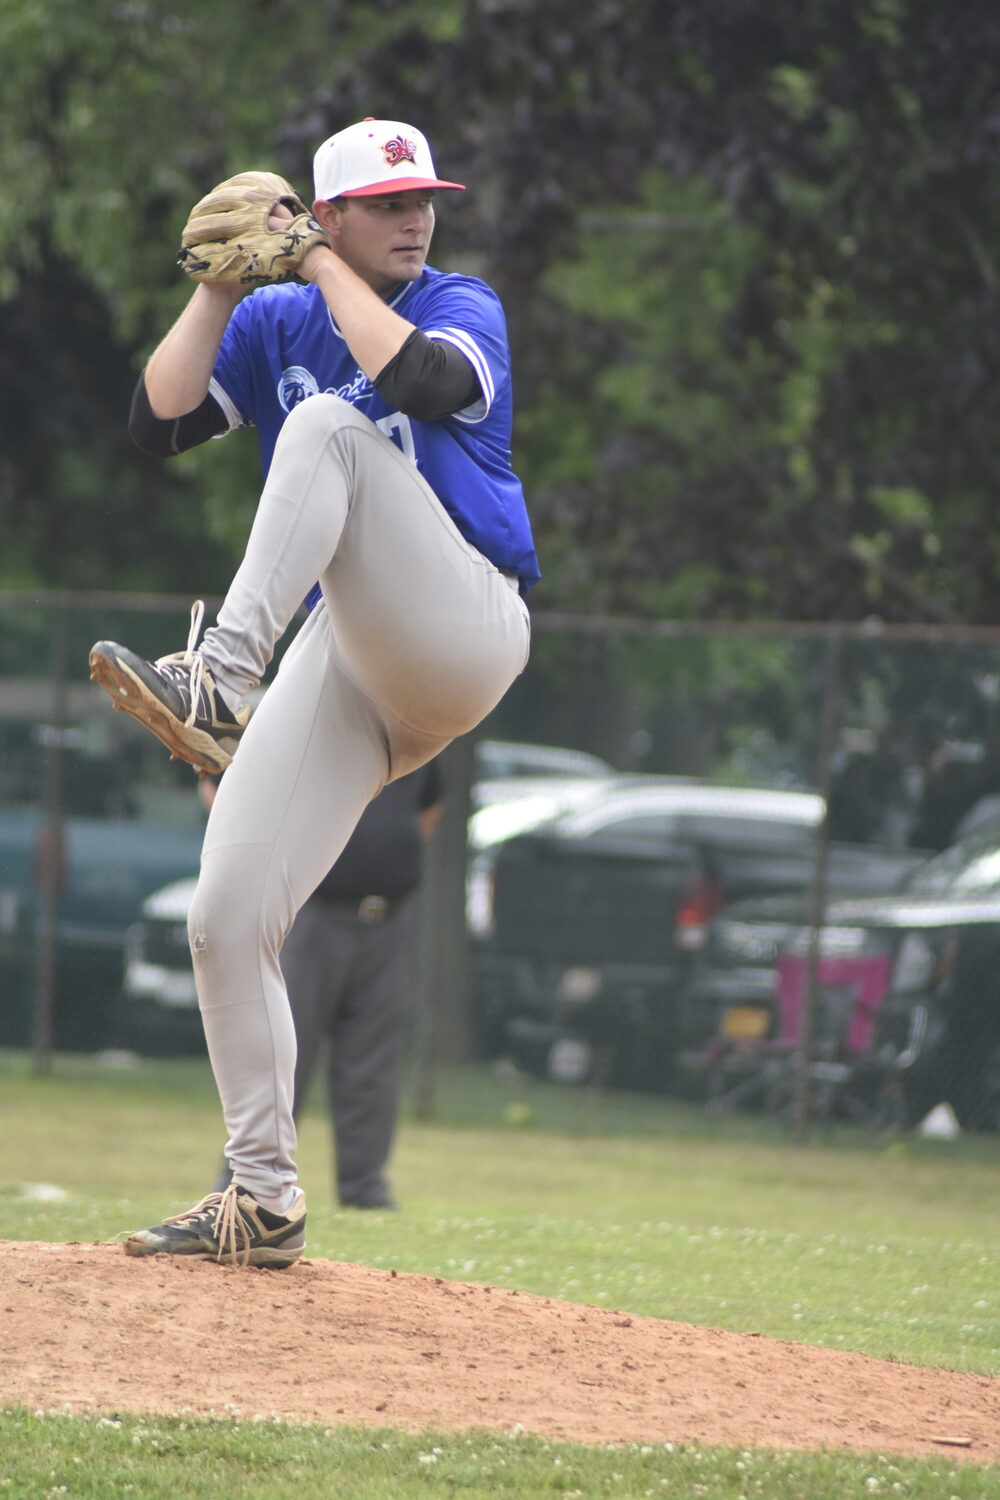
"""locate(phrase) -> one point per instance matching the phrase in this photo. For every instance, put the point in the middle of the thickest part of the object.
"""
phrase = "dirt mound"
(88, 1329)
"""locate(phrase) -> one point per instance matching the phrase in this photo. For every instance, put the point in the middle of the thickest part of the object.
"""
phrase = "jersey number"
(397, 428)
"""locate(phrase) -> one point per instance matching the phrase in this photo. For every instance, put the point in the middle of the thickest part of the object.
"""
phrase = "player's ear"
(329, 214)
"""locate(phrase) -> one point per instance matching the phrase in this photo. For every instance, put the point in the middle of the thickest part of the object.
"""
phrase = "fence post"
(802, 1102)
(51, 853)
(442, 1029)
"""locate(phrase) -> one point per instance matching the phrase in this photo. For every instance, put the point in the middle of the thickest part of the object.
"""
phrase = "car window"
(983, 874)
(971, 865)
(638, 826)
(508, 758)
(717, 815)
(752, 832)
(103, 765)
(748, 832)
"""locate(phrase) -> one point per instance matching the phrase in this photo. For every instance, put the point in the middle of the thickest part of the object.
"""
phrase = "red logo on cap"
(399, 150)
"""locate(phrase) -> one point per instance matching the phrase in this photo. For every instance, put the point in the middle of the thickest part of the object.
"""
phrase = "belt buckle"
(372, 909)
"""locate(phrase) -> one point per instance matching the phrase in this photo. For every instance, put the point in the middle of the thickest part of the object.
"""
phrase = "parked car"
(516, 786)
(92, 818)
(731, 988)
(932, 1032)
(507, 760)
(596, 913)
(157, 1011)
(101, 870)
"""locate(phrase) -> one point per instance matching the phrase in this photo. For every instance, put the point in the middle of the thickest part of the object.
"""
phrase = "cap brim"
(399, 185)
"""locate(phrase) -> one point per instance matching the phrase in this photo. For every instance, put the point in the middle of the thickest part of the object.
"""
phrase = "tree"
(769, 389)
(115, 127)
(845, 466)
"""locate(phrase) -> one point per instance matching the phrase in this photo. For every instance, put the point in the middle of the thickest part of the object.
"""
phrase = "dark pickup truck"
(598, 914)
(93, 816)
(99, 871)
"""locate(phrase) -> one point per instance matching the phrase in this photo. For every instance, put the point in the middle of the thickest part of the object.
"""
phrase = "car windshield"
(718, 817)
(753, 832)
(973, 864)
(507, 758)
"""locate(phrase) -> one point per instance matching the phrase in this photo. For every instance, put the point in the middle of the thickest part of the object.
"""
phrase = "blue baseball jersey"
(282, 346)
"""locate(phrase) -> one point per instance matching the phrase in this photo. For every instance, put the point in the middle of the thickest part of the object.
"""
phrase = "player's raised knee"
(323, 413)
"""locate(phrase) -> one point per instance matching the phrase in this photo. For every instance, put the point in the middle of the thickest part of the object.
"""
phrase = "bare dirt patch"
(88, 1329)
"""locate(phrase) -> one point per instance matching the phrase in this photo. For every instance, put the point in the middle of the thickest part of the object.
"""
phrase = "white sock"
(283, 1203)
(232, 697)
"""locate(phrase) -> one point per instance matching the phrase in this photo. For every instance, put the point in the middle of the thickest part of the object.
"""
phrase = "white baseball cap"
(372, 157)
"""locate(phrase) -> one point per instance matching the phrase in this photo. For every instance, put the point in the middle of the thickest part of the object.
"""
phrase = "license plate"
(746, 1023)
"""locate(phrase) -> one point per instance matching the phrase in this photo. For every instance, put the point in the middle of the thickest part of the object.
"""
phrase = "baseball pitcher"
(381, 393)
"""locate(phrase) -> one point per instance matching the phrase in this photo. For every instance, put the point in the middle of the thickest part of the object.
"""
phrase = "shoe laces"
(188, 663)
(231, 1223)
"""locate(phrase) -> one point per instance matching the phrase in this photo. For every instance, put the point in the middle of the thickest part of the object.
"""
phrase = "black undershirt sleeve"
(428, 379)
(163, 437)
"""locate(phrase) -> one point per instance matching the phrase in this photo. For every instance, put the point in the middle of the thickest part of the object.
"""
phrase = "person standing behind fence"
(349, 965)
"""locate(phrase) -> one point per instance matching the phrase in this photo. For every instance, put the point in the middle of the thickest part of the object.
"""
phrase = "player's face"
(385, 240)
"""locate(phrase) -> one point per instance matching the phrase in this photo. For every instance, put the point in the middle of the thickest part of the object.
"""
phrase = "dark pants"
(350, 984)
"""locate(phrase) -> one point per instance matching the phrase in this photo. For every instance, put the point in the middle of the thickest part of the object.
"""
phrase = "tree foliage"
(820, 445)
(747, 252)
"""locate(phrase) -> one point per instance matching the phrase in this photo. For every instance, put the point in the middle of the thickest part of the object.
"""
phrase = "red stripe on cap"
(400, 185)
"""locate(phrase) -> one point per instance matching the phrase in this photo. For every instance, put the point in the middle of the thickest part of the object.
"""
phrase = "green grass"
(886, 1247)
(181, 1459)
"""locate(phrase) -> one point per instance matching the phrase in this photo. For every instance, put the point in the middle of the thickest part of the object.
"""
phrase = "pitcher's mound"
(87, 1328)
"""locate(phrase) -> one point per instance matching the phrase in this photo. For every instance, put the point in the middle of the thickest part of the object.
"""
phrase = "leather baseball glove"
(227, 238)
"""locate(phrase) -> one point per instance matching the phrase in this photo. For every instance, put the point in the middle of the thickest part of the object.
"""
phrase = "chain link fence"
(861, 984)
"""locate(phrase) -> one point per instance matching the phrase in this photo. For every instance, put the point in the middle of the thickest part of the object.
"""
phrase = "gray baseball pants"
(419, 639)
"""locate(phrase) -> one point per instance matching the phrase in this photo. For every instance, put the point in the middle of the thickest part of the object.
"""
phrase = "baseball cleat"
(175, 697)
(230, 1227)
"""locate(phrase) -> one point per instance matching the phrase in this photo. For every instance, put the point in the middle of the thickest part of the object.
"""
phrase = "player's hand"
(312, 257)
